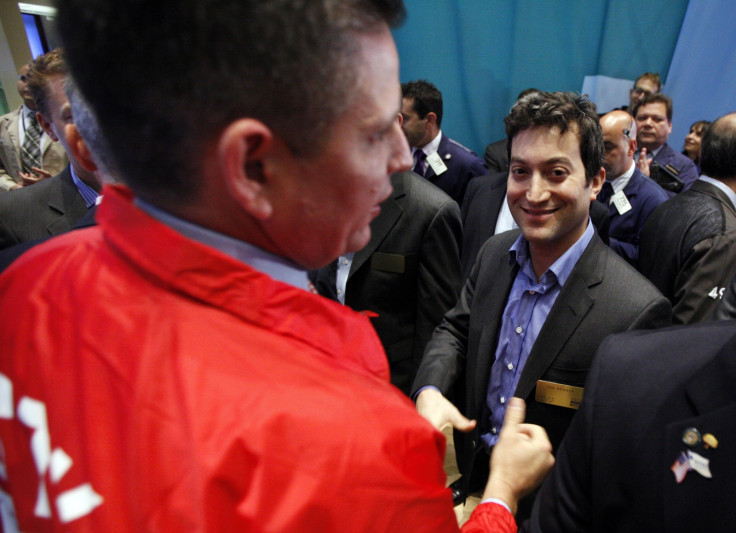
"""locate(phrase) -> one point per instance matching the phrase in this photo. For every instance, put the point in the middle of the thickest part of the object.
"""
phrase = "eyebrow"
(552, 161)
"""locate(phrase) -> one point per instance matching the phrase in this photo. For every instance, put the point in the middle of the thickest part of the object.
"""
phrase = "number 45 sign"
(71, 504)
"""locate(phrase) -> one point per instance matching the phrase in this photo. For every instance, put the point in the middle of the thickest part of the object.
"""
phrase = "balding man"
(688, 245)
(629, 195)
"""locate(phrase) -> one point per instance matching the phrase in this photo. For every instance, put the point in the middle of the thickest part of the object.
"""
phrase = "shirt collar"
(620, 183)
(277, 267)
(560, 269)
(433, 145)
(721, 186)
(89, 195)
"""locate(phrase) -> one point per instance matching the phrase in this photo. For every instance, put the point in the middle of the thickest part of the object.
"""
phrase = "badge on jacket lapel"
(435, 161)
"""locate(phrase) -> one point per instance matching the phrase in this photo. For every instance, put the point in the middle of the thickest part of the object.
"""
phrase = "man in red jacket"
(169, 370)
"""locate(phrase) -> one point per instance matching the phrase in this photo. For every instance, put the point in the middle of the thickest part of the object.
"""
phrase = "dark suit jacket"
(462, 165)
(497, 156)
(409, 273)
(688, 250)
(688, 171)
(8, 255)
(644, 196)
(643, 391)
(482, 205)
(603, 295)
(49, 207)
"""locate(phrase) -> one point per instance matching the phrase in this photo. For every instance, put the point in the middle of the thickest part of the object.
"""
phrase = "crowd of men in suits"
(481, 286)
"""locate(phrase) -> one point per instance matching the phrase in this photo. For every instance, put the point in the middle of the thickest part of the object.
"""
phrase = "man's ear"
(596, 184)
(431, 118)
(632, 148)
(241, 149)
(78, 148)
(46, 125)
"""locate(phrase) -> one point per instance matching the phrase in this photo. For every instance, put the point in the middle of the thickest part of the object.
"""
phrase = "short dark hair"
(718, 149)
(651, 76)
(177, 72)
(656, 98)
(561, 110)
(426, 96)
(43, 69)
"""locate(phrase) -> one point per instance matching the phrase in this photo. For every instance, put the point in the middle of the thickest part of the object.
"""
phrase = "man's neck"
(651, 148)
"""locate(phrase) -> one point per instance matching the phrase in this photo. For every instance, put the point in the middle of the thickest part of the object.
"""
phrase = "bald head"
(619, 140)
(718, 149)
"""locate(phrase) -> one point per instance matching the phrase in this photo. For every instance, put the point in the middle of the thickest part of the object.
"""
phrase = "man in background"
(444, 162)
(55, 204)
(629, 195)
(672, 170)
(27, 152)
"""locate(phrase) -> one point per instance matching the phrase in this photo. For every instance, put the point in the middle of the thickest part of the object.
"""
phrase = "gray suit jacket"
(49, 207)
(603, 295)
(54, 156)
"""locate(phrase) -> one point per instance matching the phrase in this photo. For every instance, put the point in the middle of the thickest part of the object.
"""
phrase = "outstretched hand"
(440, 412)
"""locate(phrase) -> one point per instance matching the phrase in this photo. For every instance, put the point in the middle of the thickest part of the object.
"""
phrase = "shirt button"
(510, 366)
(502, 399)
(345, 262)
(518, 329)
(339, 291)
(493, 430)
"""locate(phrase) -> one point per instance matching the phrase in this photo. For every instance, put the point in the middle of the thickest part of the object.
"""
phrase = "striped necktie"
(31, 150)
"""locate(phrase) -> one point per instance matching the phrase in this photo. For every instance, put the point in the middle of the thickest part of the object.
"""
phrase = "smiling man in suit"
(537, 302)
(444, 162)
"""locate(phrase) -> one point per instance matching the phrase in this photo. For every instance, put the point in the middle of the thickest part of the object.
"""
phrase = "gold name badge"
(559, 394)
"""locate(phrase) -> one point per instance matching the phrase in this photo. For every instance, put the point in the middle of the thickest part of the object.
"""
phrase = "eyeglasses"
(639, 90)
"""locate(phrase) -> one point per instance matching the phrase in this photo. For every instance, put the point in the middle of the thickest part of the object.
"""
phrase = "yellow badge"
(559, 394)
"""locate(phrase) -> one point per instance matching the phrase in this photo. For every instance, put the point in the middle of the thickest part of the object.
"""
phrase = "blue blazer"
(645, 196)
(462, 165)
(688, 171)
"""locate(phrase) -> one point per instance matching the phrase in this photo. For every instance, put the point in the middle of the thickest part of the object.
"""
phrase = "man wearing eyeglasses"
(646, 84)
(629, 195)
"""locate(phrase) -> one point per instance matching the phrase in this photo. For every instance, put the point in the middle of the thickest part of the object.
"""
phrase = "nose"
(400, 159)
(537, 192)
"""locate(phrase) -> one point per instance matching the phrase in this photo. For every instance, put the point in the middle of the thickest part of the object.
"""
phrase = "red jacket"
(151, 383)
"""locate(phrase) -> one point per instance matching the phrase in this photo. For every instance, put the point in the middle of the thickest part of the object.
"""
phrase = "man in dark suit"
(537, 304)
(408, 274)
(444, 162)
(56, 204)
(674, 171)
(485, 213)
(688, 245)
(629, 195)
(639, 457)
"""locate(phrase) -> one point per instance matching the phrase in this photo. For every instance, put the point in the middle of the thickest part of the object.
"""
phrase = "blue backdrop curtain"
(482, 53)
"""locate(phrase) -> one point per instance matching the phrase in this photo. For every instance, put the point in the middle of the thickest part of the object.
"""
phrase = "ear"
(46, 125)
(241, 149)
(78, 148)
(596, 183)
(431, 118)
(632, 148)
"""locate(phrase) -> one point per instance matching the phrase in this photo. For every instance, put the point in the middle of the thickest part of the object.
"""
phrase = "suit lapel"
(568, 311)
(10, 126)
(391, 212)
(711, 396)
(64, 199)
